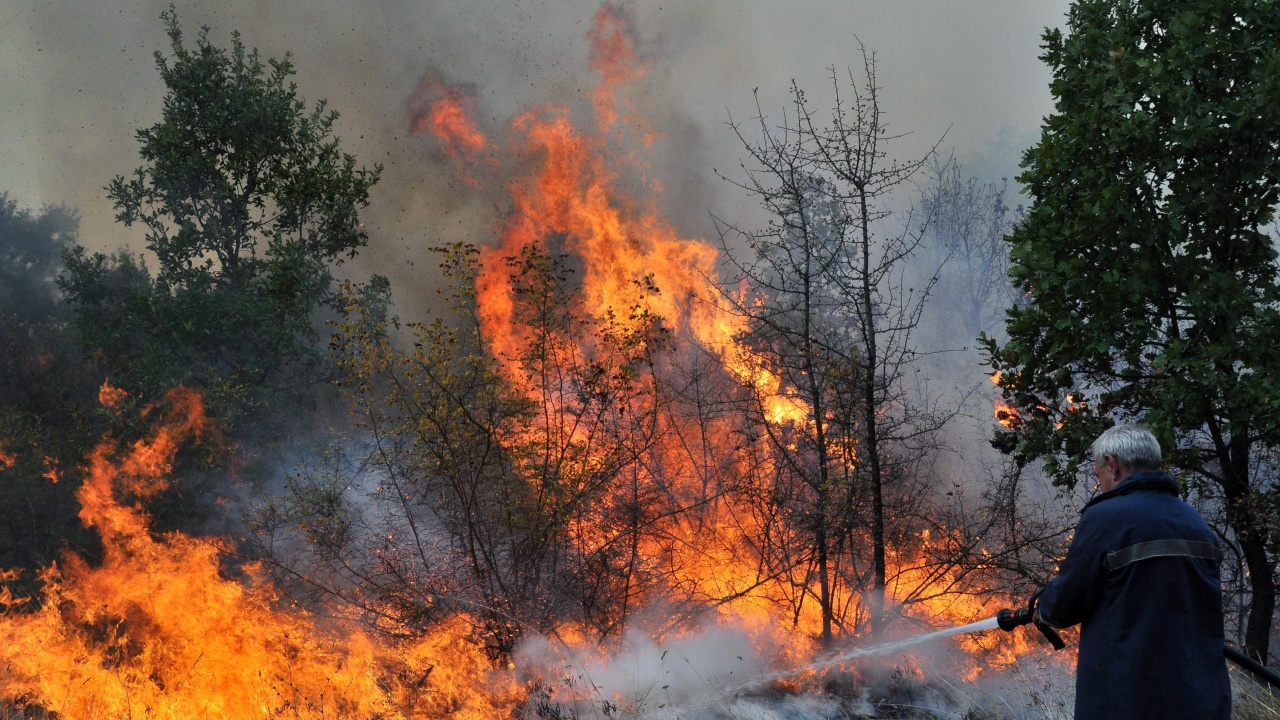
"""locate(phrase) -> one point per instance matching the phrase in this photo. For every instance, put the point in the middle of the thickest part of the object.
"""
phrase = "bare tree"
(968, 222)
(832, 310)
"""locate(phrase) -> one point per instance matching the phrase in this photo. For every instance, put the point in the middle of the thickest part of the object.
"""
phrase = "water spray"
(1005, 620)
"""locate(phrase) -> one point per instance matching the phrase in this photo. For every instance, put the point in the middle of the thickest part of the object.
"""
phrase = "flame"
(939, 596)
(7, 459)
(157, 631)
(1008, 416)
(51, 472)
(448, 114)
(110, 397)
(613, 55)
(566, 197)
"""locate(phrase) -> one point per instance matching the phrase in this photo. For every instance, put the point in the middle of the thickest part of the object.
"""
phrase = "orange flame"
(109, 396)
(448, 114)
(1008, 416)
(7, 459)
(629, 256)
(613, 55)
(156, 631)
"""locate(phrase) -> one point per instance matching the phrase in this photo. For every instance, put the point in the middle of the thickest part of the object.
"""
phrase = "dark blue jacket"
(1142, 579)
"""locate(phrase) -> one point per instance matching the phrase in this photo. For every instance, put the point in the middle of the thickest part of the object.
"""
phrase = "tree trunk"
(876, 600)
(824, 579)
(1251, 533)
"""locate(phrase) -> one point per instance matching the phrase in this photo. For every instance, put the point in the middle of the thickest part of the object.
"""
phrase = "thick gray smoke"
(78, 79)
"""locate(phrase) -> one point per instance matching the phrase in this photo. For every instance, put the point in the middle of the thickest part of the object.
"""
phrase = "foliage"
(45, 429)
(1147, 259)
(247, 202)
(525, 480)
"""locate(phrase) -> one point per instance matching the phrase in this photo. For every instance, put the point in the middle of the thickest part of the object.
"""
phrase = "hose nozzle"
(1008, 619)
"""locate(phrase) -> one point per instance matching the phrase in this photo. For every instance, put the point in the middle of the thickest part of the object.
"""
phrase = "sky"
(78, 79)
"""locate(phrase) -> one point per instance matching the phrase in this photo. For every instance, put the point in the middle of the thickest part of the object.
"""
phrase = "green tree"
(1147, 261)
(44, 390)
(247, 202)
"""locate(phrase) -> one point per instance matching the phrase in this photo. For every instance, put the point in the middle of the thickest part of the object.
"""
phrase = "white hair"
(1133, 446)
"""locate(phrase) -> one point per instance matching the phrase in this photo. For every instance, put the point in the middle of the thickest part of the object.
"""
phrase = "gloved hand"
(1050, 632)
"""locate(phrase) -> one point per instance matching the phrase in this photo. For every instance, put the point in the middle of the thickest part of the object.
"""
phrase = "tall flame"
(629, 256)
(613, 56)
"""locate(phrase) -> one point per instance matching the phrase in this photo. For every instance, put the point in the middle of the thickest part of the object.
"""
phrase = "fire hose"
(1009, 619)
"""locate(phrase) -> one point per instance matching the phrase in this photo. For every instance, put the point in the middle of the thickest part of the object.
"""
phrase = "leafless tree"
(832, 310)
(968, 222)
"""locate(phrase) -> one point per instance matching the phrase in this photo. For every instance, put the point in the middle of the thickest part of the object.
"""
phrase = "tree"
(45, 430)
(247, 202)
(832, 314)
(1146, 257)
(968, 221)
(521, 498)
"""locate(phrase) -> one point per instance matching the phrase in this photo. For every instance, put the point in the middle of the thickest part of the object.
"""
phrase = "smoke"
(79, 80)
(698, 670)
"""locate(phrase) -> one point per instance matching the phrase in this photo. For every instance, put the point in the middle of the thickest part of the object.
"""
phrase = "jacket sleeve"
(1072, 594)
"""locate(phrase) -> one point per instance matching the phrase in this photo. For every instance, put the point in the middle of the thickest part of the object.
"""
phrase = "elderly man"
(1141, 577)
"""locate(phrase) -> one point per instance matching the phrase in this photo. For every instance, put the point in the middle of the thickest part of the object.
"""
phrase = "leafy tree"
(247, 202)
(1147, 259)
(44, 390)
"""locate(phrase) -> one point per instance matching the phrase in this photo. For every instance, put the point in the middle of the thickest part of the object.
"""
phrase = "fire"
(51, 472)
(157, 631)
(110, 397)
(448, 114)
(7, 459)
(629, 266)
(613, 56)
(1008, 416)
(939, 596)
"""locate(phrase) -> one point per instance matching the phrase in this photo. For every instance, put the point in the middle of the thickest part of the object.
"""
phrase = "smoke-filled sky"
(77, 79)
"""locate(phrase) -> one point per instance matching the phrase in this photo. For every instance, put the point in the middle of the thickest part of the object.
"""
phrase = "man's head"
(1123, 450)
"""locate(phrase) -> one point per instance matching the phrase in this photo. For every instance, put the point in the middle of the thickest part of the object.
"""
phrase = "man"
(1141, 576)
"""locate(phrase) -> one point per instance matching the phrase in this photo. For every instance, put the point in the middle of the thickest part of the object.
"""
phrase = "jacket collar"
(1146, 480)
